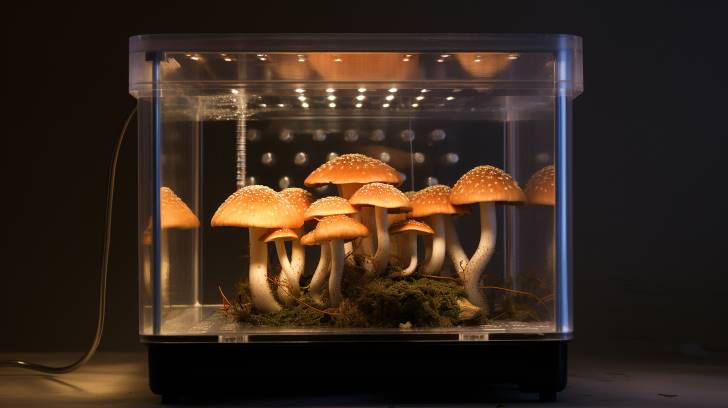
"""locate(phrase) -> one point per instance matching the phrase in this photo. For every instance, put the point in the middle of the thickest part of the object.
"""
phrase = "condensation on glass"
(221, 112)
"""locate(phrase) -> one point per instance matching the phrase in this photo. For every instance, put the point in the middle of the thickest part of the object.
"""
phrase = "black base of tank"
(390, 371)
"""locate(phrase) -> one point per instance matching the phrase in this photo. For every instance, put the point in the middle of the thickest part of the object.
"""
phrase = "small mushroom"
(288, 284)
(258, 208)
(485, 185)
(382, 197)
(410, 229)
(434, 202)
(335, 229)
(320, 208)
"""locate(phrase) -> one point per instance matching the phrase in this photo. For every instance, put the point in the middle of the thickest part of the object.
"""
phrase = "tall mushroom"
(349, 172)
(485, 185)
(382, 197)
(174, 214)
(410, 229)
(434, 202)
(335, 229)
(320, 208)
(258, 208)
(541, 190)
(288, 283)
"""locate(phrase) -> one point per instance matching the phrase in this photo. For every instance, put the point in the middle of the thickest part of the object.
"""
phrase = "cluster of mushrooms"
(371, 218)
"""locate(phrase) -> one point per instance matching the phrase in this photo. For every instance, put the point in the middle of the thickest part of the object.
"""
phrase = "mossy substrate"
(368, 302)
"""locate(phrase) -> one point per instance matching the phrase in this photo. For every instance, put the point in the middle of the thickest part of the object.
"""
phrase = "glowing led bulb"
(284, 182)
(305, 105)
(319, 135)
(281, 105)
(299, 90)
(227, 59)
(253, 135)
(286, 135)
(513, 57)
(262, 105)
(377, 135)
(385, 105)
(437, 135)
(392, 90)
(351, 136)
(268, 158)
(431, 181)
(452, 158)
(300, 159)
(449, 98)
(440, 60)
(385, 157)
(419, 98)
(332, 105)
(414, 105)
(331, 97)
(389, 97)
(362, 90)
(234, 91)
(418, 158)
(407, 135)
(423, 90)
(301, 98)
(337, 59)
(330, 90)
(360, 97)
(358, 105)
(331, 156)
(251, 181)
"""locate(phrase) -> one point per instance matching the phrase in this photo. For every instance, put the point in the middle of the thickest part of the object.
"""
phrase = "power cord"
(104, 274)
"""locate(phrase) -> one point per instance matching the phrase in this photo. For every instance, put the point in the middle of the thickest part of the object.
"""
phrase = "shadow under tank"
(331, 213)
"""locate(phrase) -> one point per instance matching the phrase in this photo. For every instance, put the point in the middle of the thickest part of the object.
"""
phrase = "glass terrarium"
(385, 191)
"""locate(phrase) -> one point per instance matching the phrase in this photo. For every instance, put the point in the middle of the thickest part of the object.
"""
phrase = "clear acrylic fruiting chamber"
(221, 113)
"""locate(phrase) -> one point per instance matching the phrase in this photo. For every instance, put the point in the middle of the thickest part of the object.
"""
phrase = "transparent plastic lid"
(204, 64)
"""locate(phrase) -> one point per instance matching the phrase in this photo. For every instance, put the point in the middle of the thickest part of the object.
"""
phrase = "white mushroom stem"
(454, 248)
(427, 241)
(366, 246)
(260, 291)
(410, 243)
(346, 191)
(337, 271)
(318, 281)
(482, 255)
(288, 284)
(433, 266)
(298, 256)
(381, 257)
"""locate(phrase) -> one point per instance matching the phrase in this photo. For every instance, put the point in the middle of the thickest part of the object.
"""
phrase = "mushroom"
(323, 207)
(258, 208)
(335, 229)
(288, 283)
(399, 244)
(434, 202)
(349, 172)
(174, 214)
(320, 275)
(382, 197)
(410, 229)
(541, 190)
(485, 185)
(300, 199)
(454, 248)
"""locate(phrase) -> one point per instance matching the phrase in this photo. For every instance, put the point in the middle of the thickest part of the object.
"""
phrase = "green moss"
(377, 302)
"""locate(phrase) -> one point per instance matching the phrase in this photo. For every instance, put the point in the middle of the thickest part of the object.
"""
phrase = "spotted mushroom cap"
(299, 197)
(433, 200)
(285, 234)
(486, 184)
(411, 225)
(380, 195)
(257, 206)
(174, 212)
(351, 169)
(541, 188)
(308, 239)
(339, 227)
(332, 205)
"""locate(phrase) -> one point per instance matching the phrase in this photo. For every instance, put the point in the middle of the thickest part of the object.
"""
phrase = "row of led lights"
(359, 98)
(302, 58)
(350, 135)
(301, 158)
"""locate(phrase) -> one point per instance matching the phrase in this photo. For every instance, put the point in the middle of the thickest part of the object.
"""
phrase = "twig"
(441, 277)
(518, 292)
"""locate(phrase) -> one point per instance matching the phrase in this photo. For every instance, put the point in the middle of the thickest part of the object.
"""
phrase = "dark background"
(649, 156)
